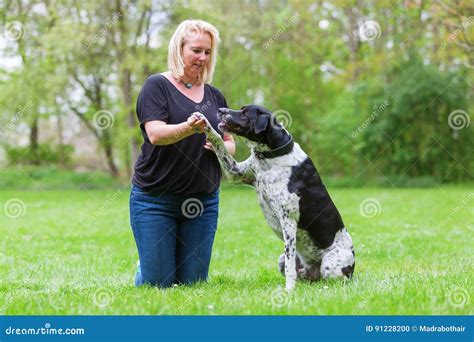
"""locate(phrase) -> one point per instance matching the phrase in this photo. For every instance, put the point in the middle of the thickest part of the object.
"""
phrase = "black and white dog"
(293, 198)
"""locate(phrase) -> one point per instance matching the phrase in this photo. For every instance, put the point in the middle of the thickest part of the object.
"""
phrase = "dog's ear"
(261, 115)
(260, 109)
(264, 110)
(246, 108)
(261, 124)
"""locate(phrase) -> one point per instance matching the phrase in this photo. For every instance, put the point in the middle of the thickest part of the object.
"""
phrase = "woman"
(175, 193)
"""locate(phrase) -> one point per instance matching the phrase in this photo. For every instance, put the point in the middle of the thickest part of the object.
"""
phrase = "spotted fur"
(293, 199)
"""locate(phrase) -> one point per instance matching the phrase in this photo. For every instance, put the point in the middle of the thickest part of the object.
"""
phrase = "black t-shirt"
(184, 167)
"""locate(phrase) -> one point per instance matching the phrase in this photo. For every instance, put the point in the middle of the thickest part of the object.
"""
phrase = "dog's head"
(251, 122)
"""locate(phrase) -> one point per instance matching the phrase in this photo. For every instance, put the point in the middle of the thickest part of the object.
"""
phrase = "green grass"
(72, 252)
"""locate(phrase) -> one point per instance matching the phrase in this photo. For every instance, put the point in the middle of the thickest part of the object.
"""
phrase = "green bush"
(410, 135)
(53, 178)
(43, 154)
(362, 181)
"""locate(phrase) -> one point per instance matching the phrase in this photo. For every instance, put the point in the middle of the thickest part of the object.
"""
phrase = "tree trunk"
(132, 154)
(354, 40)
(109, 153)
(60, 139)
(34, 140)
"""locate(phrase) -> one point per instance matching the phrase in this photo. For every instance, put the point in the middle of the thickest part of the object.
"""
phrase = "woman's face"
(196, 52)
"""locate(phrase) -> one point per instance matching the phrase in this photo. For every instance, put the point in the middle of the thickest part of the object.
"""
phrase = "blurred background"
(377, 92)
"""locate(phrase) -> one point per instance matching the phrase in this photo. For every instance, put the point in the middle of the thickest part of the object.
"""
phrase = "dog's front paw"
(200, 116)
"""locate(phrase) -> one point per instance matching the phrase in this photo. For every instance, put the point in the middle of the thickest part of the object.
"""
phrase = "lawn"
(72, 252)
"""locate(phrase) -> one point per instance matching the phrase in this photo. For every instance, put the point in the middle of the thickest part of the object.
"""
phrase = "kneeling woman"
(175, 187)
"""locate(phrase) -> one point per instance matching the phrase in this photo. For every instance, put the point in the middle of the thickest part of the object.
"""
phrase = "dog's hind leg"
(339, 259)
(337, 263)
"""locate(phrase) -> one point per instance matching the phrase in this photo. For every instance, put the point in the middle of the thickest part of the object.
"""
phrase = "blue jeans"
(174, 235)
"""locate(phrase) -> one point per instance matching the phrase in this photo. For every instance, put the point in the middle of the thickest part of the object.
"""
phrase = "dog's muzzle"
(225, 119)
(222, 111)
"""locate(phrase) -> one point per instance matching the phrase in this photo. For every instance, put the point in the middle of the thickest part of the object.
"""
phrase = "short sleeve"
(219, 97)
(152, 103)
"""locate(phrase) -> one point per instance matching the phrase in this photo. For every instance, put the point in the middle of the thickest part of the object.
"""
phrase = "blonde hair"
(175, 48)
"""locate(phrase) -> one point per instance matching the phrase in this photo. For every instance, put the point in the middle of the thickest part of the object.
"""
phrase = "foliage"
(306, 59)
(413, 134)
(41, 178)
(43, 154)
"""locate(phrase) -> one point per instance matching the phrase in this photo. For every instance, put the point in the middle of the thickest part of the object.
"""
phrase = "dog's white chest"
(275, 199)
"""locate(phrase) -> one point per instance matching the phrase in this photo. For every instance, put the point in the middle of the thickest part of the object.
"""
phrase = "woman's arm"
(236, 172)
(229, 144)
(161, 133)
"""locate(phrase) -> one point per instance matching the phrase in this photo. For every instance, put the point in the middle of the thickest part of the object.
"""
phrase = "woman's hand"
(208, 146)
(196, 124)
(229, 144)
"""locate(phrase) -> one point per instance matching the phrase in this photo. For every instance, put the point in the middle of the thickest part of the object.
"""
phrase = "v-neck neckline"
(186, 96)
